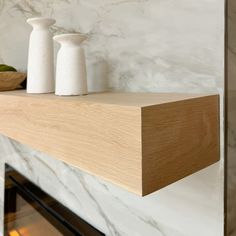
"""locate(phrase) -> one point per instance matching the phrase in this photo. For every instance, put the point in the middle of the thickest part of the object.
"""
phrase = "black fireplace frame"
(59, 216)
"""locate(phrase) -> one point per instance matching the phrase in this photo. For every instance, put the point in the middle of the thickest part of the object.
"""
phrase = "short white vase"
(40, 75)
(71, 77)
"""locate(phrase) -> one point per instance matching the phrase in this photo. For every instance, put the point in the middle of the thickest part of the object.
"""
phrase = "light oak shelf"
(140, 141)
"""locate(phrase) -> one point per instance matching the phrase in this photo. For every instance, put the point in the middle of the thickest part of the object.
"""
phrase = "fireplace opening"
(29, 211)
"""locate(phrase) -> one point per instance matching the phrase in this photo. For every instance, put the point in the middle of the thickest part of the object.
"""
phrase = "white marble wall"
(138, 45)
(190, 207)
(146, 45)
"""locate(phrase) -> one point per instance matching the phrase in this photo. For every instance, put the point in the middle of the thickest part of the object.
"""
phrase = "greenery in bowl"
(4, 68)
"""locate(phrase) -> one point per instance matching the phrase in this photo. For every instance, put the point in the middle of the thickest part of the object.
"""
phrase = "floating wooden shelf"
(139, 141)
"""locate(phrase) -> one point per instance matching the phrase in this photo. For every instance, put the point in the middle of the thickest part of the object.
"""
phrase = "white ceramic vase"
(40, 76)
(71, 77)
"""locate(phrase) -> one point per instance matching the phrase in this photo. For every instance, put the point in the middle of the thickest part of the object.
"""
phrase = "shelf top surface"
(113, 98)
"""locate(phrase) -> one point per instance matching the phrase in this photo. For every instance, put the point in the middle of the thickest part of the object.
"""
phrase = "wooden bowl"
(10, 80)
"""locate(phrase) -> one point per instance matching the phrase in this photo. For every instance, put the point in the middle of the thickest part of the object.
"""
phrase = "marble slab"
(138, 45)
(188, 207)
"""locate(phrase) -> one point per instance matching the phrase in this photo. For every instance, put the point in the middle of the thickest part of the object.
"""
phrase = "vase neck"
(69, 44)
(40, 27)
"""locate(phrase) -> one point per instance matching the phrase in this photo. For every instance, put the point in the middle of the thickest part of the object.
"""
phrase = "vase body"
(71, 77)
(40, 75)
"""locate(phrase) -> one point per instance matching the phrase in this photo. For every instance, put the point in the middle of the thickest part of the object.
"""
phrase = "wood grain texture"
(11, 80)
(178, 139)
(139, 141)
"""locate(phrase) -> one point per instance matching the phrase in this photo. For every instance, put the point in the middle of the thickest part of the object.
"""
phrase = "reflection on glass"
(29, 211)
(26, 221)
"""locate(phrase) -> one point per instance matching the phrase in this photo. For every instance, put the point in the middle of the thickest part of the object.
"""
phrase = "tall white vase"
(71, 77)
(40, 78)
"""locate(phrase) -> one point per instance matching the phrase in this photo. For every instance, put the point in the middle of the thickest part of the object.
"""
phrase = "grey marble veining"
(147, 45)
(175, 210)
(137, 45)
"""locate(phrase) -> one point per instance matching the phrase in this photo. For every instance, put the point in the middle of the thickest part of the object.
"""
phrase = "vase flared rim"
(50, 21)
(72, 36)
